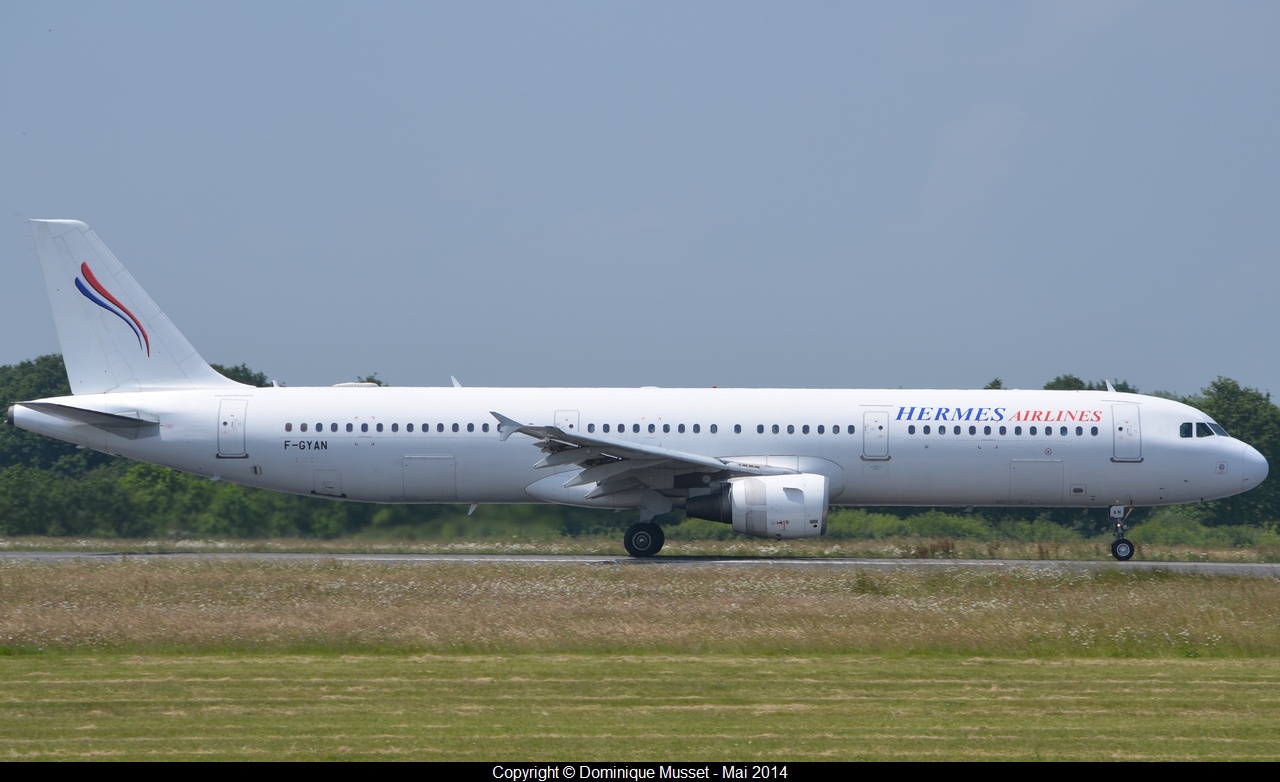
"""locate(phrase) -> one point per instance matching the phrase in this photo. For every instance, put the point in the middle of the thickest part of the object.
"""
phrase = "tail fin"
(114, 338)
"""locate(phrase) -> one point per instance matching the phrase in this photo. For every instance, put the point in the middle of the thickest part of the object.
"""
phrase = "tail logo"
(102, 297)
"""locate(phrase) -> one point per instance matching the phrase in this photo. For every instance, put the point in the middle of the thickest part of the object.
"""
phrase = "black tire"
(1122, 549)
(643, 539)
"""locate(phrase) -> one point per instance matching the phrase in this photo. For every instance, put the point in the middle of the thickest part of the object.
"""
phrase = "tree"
(1073, 383)
(41, 378)
(242, 374)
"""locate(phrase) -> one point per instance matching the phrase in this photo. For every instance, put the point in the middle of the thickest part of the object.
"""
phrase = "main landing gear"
(1121, 548)
(644, 539)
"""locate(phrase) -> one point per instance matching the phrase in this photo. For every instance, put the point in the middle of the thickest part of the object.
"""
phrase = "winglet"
(506, 426)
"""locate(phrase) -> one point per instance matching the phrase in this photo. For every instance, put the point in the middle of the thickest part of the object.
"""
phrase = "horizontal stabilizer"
(129, 425)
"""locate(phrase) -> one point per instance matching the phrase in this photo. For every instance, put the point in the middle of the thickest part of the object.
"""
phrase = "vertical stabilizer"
(114, 338)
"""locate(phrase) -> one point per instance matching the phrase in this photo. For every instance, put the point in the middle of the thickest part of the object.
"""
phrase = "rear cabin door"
(231, 414)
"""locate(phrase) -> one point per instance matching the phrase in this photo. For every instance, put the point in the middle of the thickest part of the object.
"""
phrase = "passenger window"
(395, 427)
(775, 428)
(379, 427)
(1079, 431)
(804, 429)
(484, 428)
(956, 430)
(471, 427)
(364, 427)
(823, 430)
(408, 427)
(759, 428)
(986, 430)
(1093, 430)
(666, 428)
(791, 429)
(652, 428)
(350, 428)
(635, 428)
(288, 427)
(737, 428)
(927, 429)
(973, 429)
(302, 427)
(440, 427)
(333, 427)
(680, 428)
(697, 428)
(606, 428)
(591, 428)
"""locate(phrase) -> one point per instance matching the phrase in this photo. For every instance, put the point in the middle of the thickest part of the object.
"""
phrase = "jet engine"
(769, 506)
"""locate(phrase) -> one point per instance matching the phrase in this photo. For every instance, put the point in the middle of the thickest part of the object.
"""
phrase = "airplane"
(769, 462)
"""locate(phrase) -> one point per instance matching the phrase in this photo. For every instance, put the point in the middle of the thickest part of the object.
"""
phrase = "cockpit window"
(1201, 429)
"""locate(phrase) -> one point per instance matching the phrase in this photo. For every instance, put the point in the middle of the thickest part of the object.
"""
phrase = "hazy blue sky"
(679, 194)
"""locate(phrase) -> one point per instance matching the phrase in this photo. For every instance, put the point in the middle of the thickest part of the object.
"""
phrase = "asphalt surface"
(1238, 569)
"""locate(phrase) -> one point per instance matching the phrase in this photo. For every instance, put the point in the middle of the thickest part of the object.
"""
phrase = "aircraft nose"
(1255, 467)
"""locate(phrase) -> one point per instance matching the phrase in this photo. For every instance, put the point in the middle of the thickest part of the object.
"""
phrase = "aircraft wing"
(619, 465)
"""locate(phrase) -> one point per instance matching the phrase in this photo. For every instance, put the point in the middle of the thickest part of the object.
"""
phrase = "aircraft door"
(1126, 430)
(231, 413)
(432, 478)
(567, 420)
(875, 435)
(1036, 482)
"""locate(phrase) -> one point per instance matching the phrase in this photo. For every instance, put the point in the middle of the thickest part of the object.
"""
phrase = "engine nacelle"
(768, 506)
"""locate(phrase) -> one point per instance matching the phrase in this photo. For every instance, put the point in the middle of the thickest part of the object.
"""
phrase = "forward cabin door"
(1126, 431)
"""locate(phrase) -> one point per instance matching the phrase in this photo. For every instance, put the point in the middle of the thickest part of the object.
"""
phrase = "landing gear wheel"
(644, 539)
(1121, 549)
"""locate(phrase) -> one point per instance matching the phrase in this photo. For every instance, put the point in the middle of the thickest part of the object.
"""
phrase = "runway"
(1237, 569)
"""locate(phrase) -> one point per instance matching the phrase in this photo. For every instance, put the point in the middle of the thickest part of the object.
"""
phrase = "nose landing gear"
(1121, 547)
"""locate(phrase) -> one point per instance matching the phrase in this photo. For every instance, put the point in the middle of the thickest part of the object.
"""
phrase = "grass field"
(132, 659)
(577, 707)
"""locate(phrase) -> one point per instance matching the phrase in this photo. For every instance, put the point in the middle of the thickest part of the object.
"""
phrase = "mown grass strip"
(638, 707)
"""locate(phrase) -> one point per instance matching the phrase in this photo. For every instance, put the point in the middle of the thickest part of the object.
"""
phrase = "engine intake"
(771, 506)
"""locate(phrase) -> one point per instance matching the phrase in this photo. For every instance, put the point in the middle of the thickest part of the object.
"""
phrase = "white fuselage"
(875, 447)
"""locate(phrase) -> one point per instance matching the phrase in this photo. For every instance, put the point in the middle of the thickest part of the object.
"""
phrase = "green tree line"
(48, 487)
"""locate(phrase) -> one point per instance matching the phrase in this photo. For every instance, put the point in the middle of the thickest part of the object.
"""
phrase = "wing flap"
(620, 465)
